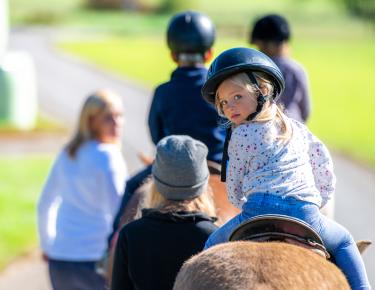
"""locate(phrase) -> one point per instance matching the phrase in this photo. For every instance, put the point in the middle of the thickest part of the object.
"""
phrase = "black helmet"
(237, 60)
(190, 32)
(271, 27)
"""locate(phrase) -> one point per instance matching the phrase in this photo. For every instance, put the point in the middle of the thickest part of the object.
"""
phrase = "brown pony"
(259, 266)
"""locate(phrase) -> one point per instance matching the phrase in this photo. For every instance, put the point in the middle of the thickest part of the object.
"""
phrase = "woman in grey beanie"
(177, 218)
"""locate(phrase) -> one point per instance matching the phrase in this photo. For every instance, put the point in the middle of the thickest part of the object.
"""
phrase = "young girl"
(276, 166)
(82, 194)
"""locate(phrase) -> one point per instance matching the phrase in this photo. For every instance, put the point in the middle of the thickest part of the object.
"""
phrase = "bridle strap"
(261, 99)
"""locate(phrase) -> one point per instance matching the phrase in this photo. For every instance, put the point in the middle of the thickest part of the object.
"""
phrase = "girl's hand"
(147, 160)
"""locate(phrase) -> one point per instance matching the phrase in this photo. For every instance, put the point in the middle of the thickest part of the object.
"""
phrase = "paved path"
(27, 273)
(63, 82)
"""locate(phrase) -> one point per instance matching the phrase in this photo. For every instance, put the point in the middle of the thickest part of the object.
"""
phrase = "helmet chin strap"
(261, 99)
(225, 158)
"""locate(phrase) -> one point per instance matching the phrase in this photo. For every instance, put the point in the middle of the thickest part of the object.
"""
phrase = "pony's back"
(259, 266)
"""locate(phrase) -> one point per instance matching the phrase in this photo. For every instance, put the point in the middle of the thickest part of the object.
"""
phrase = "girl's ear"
(264, 89)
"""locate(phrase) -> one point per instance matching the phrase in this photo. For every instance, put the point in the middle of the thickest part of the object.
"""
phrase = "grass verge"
(21, 178)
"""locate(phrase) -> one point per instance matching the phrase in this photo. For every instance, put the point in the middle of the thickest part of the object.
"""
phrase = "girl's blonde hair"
(152, 198)
(96, 104)
(270, 110)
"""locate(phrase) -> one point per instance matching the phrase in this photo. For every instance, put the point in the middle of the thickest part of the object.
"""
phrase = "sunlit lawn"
(22, 178)
(343, 87)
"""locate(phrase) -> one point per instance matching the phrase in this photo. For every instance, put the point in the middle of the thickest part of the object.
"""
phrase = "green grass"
(145, 60)
(119, 22)
(21, 178)
(343, 87)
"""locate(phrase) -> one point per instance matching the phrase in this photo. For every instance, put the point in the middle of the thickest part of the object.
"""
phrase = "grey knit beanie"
(180, 169)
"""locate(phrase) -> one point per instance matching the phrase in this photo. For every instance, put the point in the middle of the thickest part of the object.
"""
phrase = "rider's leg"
(131, 186)
(255, 205)
(336, 238)
(222, 234)
(340, 243)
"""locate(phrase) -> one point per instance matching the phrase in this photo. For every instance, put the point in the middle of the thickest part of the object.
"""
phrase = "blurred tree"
(361, 8)
(114, 4)
(161, 6)
(167, 6)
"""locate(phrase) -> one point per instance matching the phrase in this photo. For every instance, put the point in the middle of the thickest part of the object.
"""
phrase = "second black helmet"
(272, 27)
(237, 60)
(190, 32)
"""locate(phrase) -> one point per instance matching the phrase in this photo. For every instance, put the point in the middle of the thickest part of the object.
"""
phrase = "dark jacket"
(150, 251)
(178, 108)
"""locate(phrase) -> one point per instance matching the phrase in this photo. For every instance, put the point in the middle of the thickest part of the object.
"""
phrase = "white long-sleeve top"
(79, 201)
(260, 163)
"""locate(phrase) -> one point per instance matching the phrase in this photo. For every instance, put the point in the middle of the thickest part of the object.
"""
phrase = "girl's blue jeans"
(336, 238)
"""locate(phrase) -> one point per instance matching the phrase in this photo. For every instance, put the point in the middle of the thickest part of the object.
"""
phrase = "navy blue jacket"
(178, 108)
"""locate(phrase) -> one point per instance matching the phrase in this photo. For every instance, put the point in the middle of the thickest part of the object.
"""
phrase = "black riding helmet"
(237, 60)
(272, 27)
(190, 32)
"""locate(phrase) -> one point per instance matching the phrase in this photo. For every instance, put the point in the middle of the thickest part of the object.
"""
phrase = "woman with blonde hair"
(82, 194)
(151, 250)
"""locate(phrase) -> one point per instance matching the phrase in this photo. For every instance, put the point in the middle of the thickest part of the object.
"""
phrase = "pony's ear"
(362, 245)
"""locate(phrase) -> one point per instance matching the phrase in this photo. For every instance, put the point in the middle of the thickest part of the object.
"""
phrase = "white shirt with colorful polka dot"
(260, 162)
